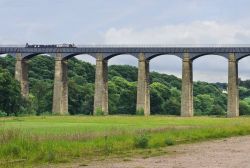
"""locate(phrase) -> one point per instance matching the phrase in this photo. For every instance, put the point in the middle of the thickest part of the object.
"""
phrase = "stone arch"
(123, 56)
(243, 68)
(243, 56)
(29, 56)
(163, 54)
(68, 56)
(196, 56)
(109, 56)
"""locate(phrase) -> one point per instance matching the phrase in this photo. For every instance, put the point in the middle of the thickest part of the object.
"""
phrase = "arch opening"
(81, 82)
(165, 84)
(122, 84)
(4, 55)
(210, 85)
(81, 56)
(41, 80)
(30, 56)
(119, 55)
(163, 54)
(244, 56)
(244, 85)
(209, 54)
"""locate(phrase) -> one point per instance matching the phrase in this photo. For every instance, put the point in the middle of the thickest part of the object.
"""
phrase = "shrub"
(218, 110)
(2, 114)
(108, 146)
(244, 108)
(169, 142)
(99, 112)
(51, 156)
(13, 150)
(141, 141)
(140, 111)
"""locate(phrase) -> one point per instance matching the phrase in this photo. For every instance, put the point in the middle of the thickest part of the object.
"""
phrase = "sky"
(134, 22)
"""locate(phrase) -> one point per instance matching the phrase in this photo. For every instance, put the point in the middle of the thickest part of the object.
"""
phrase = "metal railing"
(162, 45)
(141, 45)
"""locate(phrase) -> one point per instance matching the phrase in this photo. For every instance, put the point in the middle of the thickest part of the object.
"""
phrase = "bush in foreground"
(141, 141)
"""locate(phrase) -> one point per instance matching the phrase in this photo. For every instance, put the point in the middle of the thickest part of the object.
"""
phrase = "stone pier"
(60, 95)
(101, 86)
(187, 87)
(21, 74)
(233, 92)
(143, 92)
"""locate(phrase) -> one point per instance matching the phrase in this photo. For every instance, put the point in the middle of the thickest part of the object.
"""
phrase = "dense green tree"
(8, 62)
(173, 105)
(214, 91)
(41, 76)
(83, 71)
(159, 93)
(41, 68)
(168, 80)
(203, 104)
(122, 96)
(114, 96)
(80, 98)
(245, 83)
(244, 92)
(125, 71)
(245, 106)
(156, 100)
(218, 110)
(10, 98)
(42, 92)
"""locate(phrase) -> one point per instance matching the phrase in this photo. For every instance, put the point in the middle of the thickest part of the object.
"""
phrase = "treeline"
(165, 90)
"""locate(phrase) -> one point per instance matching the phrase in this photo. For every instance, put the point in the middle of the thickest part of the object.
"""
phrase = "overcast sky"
(134, 22)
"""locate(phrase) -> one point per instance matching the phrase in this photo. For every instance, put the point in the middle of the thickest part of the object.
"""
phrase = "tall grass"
(56, 139)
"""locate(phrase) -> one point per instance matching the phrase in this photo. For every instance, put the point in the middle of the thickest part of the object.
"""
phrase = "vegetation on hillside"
(165, 90)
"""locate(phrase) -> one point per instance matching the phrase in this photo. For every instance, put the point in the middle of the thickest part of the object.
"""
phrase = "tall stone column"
(187, 87)
(143, 91)
(233, 92)
(101, 86)
(21, 74)
(60, 95)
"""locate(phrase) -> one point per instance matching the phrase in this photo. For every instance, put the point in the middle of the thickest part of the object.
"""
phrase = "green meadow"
(65, 139)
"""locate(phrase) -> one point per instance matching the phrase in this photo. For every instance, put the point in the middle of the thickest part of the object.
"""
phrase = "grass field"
(57, 139)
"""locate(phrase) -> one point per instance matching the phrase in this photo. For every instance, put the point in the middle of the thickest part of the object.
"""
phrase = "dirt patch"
(224, 153)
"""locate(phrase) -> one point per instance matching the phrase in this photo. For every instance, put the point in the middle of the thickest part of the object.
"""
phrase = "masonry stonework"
(21, 74)
(101, 86)
(233, 92)
(187, 87)
(143, 92)
(60, 95)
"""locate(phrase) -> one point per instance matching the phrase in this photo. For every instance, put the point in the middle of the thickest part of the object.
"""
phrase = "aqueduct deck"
(144, 54)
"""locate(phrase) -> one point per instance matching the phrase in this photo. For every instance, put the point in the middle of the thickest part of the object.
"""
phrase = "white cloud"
(86, 58)
(198, 32)
(123, 59)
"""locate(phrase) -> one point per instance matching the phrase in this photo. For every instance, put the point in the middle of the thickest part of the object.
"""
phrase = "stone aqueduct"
(144, 54)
